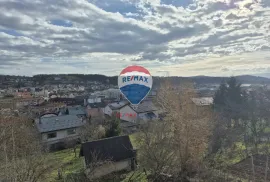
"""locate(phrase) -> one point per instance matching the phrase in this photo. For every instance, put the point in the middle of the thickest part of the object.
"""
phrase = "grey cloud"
(219, 6)
(225, 69)
(266, 3)
(208, 6)
(12, 23)
(157, 54)
(265, 48)
(164, 9)
(232, 16)
(178, 33)
(218, 23)
(95, 30)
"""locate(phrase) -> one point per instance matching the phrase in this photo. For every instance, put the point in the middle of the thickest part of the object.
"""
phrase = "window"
(51, 135)
(71, 131)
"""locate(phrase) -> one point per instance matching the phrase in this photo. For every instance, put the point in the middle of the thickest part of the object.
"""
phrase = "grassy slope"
(133, 140)
(67, 161)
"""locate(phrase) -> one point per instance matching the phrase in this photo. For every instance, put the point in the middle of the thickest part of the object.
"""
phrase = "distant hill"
(244, 79)
(71, 78)
(255, 79)
(266, 75)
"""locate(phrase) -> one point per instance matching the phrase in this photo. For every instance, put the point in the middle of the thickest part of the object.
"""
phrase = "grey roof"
(93, 97)
(58, 123)
(151, 115)
(76, 110)
(114, 148)
(81, 97)
(118, 105)
(97, 105)
(143, 107)
(203, 101)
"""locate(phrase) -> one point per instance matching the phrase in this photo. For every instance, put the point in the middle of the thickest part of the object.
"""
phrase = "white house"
(71, 96)
(40, 93)
(93, 100)
(203, 101)
(112, 93)
(114, 107)
(202, 105)
(57, 78)
(53, 96)
(144, 112)
(109, 94)
(81, 88)
(57, 129)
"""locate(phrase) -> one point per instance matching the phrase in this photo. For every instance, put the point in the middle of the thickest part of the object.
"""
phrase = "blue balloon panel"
(135, 93)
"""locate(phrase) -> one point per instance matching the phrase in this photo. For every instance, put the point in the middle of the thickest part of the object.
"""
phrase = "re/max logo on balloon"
(135, 78)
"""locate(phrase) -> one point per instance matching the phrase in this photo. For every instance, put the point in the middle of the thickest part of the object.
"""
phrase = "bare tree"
(22, 157)
(176, 145)
(91, 131)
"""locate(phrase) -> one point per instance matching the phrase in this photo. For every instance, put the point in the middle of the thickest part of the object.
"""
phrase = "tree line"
(76, 77)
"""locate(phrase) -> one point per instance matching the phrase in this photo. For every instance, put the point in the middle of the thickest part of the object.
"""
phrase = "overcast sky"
(181, 37)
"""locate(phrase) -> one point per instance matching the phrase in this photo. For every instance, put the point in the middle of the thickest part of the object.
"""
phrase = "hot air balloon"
(135, 83)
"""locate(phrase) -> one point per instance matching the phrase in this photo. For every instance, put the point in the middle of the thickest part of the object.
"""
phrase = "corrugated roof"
(203, 101)
(58, 123)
